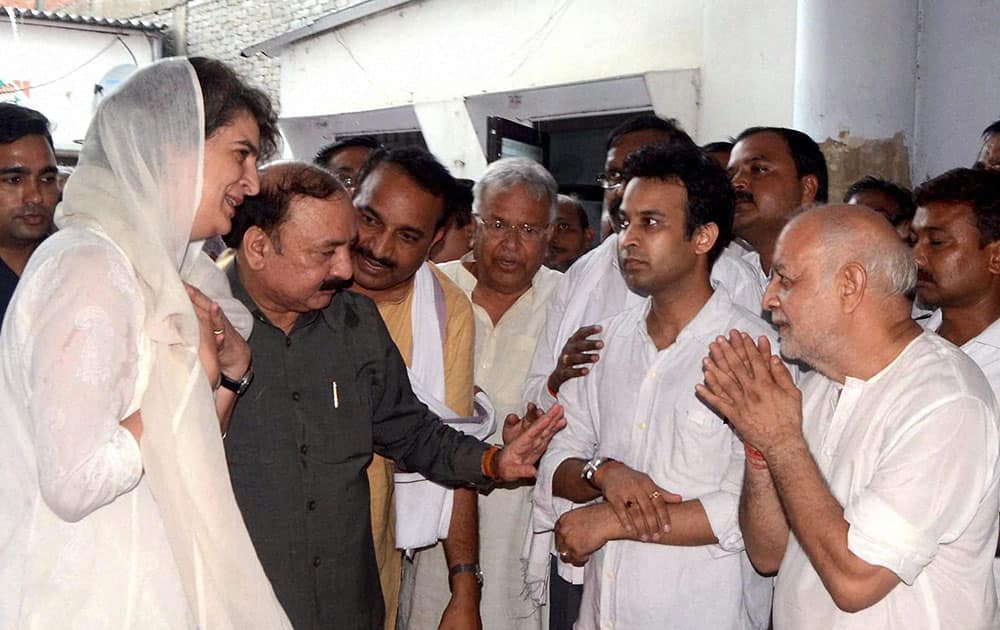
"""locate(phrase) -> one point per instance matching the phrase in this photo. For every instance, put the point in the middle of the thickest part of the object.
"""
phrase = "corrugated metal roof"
(72, 18)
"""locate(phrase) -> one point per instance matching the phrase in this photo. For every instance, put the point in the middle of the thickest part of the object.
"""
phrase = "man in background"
(571, 234)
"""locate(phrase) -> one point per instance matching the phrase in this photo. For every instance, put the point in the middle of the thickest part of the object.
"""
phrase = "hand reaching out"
(576, 354)
(518, 458)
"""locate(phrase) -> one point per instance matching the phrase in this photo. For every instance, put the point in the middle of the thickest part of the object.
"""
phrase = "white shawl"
(423, 508)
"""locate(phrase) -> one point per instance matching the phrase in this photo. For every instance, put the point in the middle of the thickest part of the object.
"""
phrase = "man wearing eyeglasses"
(515, 201)
(345, 158)
(571, 234)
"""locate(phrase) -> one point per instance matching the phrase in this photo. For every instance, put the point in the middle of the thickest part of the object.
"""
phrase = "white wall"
(747, 66)
(61, 64)
(742, 55)
(958, 85)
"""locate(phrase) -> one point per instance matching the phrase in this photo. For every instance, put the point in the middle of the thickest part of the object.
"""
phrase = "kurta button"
(316, 561)
(288, 342)
(304, 449)
(295, 396)
(311, 504)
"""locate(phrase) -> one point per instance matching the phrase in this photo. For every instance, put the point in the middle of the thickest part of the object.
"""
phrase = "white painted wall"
(60, 65)
(747, 66)
(854, 76)
(958, 86)
(741, 55)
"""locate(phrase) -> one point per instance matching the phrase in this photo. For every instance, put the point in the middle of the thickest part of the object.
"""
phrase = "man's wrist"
(553, 391)
(465, 579)
(781, 450)
(489, 463)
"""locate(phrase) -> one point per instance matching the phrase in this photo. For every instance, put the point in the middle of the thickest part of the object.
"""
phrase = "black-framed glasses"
(610, 180)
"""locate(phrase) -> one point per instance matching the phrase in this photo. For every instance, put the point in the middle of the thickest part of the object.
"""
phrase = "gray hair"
(517, 171)
(888, 261)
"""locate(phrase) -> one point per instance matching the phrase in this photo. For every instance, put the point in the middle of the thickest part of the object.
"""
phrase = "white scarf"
(139, 181)
(423, 508)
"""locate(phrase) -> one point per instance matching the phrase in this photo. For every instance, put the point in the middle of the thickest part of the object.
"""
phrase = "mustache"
(367, 253)
(335, 284)
(923, 276)
(33, 208)
(744, 196)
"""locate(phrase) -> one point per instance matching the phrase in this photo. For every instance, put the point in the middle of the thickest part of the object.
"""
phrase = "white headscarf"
(139, 180)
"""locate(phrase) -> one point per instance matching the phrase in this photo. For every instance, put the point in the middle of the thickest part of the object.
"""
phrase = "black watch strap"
(474, 569)
(237, 387)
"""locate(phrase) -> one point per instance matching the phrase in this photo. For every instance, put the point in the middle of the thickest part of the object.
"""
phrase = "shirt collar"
(704, 326)
(241, 294)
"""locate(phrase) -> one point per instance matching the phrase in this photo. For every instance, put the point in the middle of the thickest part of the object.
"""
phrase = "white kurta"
(593, 290)
(503, 353)
(912, 455)
(984, 349)
(82, 543)
(638, 406)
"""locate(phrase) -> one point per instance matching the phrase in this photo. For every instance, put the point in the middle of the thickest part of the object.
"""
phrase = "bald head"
(843, 234)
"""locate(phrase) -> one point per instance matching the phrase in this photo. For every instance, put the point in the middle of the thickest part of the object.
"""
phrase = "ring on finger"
(655, 495)
(563, 554)
(218, 331)
(565, 360)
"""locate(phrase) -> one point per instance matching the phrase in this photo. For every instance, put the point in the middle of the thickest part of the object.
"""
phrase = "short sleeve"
(913, 503)
(80, 327)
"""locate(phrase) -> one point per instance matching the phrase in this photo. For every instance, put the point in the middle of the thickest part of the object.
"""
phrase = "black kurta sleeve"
(404, 429)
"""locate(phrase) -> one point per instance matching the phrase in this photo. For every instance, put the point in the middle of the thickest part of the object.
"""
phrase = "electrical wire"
(12, 90)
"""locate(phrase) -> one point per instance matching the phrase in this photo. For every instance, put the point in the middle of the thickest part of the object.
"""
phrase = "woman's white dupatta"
(139, 181)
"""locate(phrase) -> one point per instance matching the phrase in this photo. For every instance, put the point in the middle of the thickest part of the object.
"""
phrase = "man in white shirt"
(655, 559)
(515, 201)
(873, 491)
(957, 248)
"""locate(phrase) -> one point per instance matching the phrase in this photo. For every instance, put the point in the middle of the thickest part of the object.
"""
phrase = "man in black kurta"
(329, 388)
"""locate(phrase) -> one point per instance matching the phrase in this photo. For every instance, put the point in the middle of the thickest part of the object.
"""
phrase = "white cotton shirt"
(593, 289)
(912, 455)
(503, 352)
(590, 291)
(638, 406)
(82, 544)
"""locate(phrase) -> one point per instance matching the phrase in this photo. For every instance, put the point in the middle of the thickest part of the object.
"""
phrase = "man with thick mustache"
(29, 191)
(775, 171)
(956, 234)
(330, 389)
(404, 200)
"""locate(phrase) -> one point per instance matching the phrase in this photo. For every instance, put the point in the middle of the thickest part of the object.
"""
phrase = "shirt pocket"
(342, 431)
(701, 444)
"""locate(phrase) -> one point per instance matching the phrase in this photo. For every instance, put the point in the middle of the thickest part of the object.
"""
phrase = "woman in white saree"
(115, 504)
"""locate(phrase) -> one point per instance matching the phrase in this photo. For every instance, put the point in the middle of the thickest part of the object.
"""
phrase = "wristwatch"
(237, 387)
(467, 568)
(590, 468)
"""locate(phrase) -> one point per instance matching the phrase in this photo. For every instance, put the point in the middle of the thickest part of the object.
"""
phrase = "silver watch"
(590, 468)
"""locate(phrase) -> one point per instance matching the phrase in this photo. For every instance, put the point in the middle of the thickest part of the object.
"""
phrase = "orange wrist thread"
(488, 463)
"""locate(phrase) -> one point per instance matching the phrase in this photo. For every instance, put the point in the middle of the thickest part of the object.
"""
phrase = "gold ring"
(565, 360)
(218, 331)
(655, 495)
(563, 554)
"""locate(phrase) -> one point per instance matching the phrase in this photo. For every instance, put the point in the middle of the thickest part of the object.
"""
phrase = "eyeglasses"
(498, 229)
(346, 180)
(610, 180)
(564, 227)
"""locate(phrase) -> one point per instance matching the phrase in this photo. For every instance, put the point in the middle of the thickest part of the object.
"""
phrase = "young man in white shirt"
(663, 548)
(872, 491)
